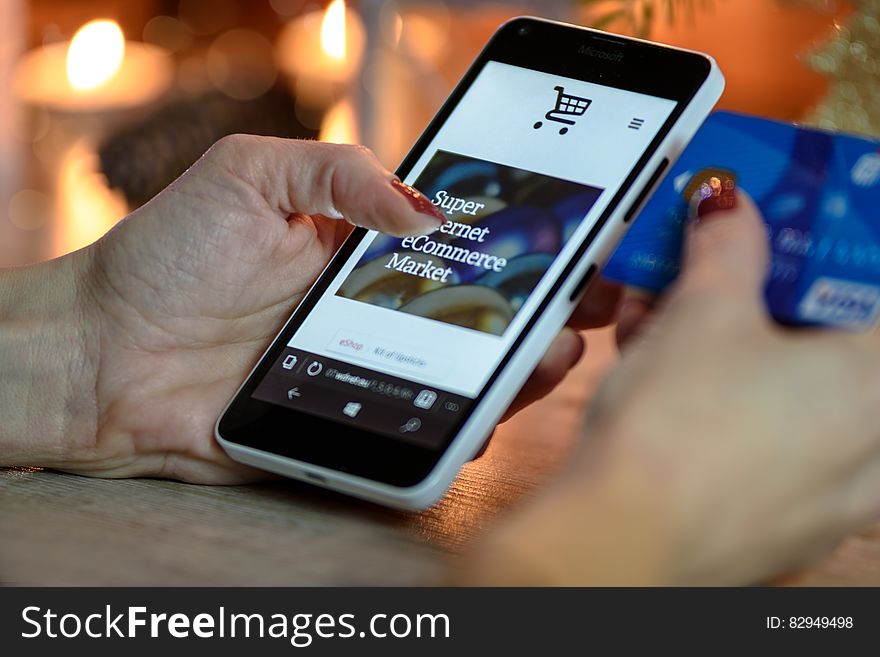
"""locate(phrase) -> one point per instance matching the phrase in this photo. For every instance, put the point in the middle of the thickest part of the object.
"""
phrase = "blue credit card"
(819, 194)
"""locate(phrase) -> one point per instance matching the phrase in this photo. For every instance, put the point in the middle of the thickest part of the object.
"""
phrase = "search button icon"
(411, 425)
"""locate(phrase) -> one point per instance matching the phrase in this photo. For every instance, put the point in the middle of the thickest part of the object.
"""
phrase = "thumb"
(726, 246)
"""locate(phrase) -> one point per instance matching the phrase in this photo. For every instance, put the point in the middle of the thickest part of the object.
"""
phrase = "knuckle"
(230, 145)
(716, 306)
(698, 302)
(356, 153)
(340, 155)
(363, 151)
(337, 183)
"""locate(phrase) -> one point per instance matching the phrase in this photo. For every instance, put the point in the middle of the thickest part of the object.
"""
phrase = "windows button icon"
(425, 399)
(352, 409)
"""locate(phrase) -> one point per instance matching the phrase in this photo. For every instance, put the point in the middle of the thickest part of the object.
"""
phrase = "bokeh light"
(95, 54)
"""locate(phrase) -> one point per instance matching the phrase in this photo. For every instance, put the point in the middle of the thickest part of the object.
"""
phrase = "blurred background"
(104, 102)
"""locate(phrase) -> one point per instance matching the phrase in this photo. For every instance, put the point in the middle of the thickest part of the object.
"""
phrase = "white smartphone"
(395, 368)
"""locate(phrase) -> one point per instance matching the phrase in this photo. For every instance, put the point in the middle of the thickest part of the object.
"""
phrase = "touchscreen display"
(410, 330)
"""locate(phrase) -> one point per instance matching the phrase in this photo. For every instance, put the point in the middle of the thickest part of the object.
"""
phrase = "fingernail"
(715, 194)
(333, 213)
(419, 201)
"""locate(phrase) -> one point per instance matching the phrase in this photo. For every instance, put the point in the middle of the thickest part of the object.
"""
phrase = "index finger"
(337, 181)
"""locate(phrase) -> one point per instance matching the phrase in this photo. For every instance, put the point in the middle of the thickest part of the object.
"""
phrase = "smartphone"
(395, 368)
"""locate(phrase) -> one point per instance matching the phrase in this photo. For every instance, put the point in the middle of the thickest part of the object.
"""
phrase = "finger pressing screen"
(333, 180)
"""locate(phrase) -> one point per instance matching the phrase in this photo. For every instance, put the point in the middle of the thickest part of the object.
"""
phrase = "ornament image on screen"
(505, 227)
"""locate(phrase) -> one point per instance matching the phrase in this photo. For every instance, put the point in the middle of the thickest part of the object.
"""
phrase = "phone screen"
(407, 334)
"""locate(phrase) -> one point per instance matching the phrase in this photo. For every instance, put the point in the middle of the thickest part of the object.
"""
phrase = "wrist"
(48, 348)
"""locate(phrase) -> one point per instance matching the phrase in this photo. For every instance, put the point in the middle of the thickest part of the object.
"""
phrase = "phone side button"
(583, 283)
(655, 177)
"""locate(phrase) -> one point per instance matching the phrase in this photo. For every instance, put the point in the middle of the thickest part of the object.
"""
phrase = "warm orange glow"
(322, 51)
(333, 32)
(340, 125)
(97, 71)
(398, 29)
(95, 54)
(86, 207)
(325, 46)
(422, 38)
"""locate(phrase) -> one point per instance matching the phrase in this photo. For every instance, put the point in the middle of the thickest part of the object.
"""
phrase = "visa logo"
(866, 171)
(841, 303)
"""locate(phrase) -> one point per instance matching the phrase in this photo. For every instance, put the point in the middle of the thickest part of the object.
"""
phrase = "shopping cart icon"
(566, 106)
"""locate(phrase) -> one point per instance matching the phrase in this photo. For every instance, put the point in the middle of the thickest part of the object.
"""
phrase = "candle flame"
(95, 54)
(333, 37)
(340, 125)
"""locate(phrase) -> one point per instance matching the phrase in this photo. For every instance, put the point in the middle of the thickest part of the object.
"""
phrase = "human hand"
(723, 450)
(181, 298)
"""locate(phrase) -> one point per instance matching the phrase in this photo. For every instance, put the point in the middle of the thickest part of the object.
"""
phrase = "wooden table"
(67, 530)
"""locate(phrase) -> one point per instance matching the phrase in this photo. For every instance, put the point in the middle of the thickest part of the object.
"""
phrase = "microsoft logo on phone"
(607, 55)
